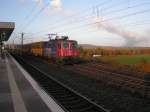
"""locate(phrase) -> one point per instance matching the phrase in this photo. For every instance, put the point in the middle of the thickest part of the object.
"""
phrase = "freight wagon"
(58, 49)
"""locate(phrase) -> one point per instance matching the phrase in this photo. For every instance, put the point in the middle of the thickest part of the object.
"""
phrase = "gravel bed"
(109, 97)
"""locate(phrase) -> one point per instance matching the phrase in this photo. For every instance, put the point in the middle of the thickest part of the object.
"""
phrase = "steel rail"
(69, 99)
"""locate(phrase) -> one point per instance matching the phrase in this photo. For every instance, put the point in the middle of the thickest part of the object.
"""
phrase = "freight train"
(58, 50)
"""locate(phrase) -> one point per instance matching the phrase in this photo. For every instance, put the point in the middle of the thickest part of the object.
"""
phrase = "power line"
(80, 20)
(34, 17)
(119, 17)
(28, 16)
(122, 9)
(129, 25)
(112, 11)
(96, 30)
(113, 5)
(128, 15)
(125, 9)
(77, 14)
(110, 19)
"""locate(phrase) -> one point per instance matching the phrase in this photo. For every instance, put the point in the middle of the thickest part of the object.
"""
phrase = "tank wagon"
(58, 50)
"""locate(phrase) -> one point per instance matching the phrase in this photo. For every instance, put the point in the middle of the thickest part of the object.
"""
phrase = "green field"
(127, 59)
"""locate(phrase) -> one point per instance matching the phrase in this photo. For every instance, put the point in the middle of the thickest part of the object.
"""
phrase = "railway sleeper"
(87, 109)
(78, 106)
(66, 98)
(75, 101)
(34, 71)
(63, 96)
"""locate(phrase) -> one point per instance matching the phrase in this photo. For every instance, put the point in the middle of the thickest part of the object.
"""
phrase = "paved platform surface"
(19, 92)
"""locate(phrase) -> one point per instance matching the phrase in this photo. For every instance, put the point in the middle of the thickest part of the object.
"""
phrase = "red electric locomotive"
(62, 49)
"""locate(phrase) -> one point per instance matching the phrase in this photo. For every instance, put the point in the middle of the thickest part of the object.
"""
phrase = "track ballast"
(68, 99)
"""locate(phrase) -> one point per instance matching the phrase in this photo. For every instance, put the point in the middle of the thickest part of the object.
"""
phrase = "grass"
(127, 59)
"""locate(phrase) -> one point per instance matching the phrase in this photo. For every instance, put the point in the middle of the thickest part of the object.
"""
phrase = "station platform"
(19, 92)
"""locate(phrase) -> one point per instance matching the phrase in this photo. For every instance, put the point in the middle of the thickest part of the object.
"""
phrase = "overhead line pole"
(22, 38)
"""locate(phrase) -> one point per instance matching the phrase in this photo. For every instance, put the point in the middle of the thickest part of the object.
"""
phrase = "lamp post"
(2, 38)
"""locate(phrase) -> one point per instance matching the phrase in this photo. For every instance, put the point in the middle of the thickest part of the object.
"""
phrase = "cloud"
(56, 5)
(131, 38)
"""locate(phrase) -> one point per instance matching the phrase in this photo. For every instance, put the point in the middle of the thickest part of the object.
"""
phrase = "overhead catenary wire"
(89, 17)
(107, 13)
(128, 15)
(28, 16)
(97, 30)
(109, 19)
(73, 32)
(65, 20)
(20, 12)
(123, 10)
(34, 17)
(19, 26)
(118, 17)
(37, 14)
(75, 15)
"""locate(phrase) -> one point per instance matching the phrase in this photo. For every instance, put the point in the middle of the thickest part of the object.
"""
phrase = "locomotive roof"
(61, 40)
(49, 41)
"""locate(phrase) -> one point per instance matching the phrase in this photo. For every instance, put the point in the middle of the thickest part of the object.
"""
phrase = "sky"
(97, 22)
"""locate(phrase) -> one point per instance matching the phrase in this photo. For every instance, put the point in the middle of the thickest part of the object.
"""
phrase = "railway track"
(126, 70)
(67, 98)
(133, 84)
(126, 82)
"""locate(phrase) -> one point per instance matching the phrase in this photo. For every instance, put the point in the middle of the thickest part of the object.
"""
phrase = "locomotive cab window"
(74, 44)
(65, 45)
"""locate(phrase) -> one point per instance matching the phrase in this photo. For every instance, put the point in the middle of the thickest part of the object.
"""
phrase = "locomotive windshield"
(65, 44)
(74, 44)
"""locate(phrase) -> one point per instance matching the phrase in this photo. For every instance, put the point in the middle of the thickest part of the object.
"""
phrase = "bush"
(144, 65)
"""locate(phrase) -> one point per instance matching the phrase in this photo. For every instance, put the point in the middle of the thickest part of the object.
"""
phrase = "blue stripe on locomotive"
(46, 49)
(53, 48)
(49, 49)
